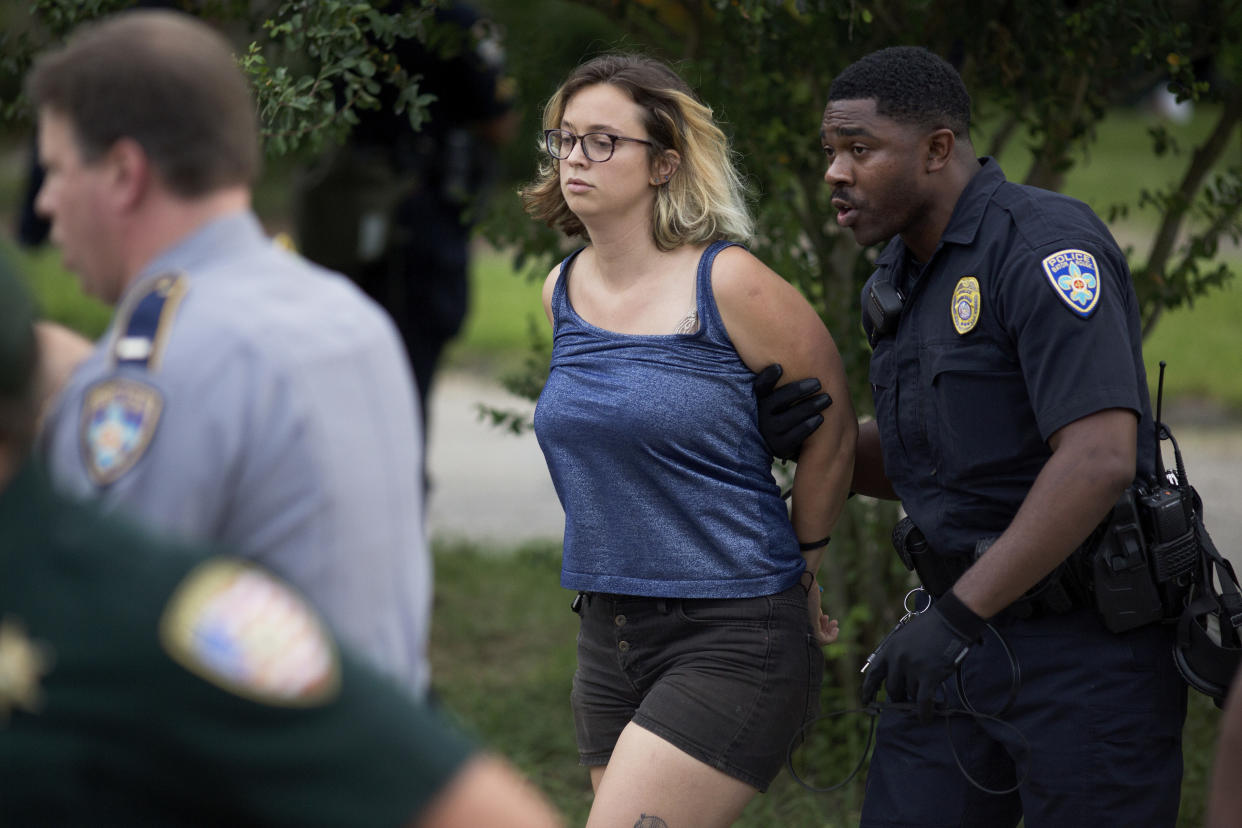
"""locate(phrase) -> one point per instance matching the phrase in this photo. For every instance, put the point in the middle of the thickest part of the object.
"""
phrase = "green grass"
(503, 653)
(58, 293)
(1203, 348)
(1120, 165)
(506, 316)
(502, 658)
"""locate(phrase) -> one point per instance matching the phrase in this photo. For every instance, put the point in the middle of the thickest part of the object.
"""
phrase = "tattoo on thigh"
(645, 821)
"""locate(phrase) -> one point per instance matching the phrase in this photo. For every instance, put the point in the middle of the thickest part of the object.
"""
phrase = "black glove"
(921, 653)
(789, 414)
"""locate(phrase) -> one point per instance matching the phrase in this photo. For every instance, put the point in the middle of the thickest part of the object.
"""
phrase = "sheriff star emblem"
(22, 664)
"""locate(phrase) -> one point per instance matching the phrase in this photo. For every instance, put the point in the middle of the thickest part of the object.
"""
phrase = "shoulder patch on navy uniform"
(1076, 279)
(22, 664)
(244, 630)
(119, 417)
(147, 320)
(966, 304)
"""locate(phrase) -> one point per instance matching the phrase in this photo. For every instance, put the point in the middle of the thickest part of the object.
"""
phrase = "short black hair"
(908, 84)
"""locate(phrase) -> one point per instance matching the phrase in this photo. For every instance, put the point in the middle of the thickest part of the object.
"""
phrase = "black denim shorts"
(731, 682)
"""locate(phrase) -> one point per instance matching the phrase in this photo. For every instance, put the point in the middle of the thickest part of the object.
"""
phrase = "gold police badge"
(965, 307)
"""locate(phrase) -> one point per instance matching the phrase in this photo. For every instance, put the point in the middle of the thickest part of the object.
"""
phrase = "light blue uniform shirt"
(274, 413)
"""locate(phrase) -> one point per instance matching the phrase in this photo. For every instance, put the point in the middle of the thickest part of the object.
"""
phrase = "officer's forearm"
(869, 476)
(1091, 464)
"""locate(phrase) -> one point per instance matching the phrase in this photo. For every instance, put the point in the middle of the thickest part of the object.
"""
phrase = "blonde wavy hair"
(703, 201)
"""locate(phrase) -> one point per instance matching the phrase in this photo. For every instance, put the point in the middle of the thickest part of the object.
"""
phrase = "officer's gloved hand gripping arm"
(1093, 460)
(789, 414)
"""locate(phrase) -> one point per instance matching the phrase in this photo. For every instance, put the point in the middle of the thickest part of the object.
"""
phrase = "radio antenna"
(1159, 425)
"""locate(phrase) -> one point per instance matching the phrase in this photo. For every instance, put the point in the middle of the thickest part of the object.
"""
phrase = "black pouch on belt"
(937, 572)
(1125, 593)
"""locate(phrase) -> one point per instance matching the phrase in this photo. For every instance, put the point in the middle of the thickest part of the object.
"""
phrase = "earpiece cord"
(875, 708)
(1015, 682)
(871, 710)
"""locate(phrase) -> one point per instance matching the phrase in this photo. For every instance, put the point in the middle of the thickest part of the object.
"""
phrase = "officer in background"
(144, 682)
(241, 395)
(1010, 396)
(393, 208)
(31, 228)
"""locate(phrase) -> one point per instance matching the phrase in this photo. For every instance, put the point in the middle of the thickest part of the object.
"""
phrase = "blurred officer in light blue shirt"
(241, 395)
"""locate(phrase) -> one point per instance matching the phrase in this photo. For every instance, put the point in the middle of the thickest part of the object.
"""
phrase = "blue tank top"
(653, 446)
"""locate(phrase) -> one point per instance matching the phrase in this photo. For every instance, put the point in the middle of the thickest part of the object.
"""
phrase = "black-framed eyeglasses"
(596, 146)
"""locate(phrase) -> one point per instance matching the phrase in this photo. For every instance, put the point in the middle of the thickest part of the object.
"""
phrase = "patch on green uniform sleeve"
(244, 630)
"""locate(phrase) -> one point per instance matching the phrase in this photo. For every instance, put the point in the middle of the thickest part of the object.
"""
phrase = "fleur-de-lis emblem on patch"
(1075, 277)
(1079, 285)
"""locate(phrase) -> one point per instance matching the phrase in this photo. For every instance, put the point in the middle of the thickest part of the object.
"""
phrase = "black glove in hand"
(919, 655)
(789, 414)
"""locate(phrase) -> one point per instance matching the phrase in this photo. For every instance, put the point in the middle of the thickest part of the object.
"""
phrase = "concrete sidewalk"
(487, 486)
(491, 487)
(1213, 458)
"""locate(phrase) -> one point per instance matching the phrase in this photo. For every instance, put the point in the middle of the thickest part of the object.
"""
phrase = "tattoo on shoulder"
(645, 821)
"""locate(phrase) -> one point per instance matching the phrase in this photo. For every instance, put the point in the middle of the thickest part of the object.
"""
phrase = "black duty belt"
(1059, 592)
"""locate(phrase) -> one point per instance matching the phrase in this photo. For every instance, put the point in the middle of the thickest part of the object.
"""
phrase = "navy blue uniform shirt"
(1024, 320)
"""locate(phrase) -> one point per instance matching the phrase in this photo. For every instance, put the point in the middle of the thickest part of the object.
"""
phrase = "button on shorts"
(731, 682)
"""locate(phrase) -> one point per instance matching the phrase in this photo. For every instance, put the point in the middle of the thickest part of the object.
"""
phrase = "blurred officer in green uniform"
(144, 682)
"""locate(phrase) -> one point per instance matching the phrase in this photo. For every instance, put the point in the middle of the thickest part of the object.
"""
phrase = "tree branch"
(1179, 201)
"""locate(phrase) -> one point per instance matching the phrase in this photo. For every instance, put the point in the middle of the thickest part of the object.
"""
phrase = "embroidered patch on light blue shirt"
(119, 417)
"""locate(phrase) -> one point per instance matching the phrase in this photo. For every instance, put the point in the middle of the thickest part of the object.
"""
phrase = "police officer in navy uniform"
(411, 252)
(241, 395)
(148, 682)
(1011, 414)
